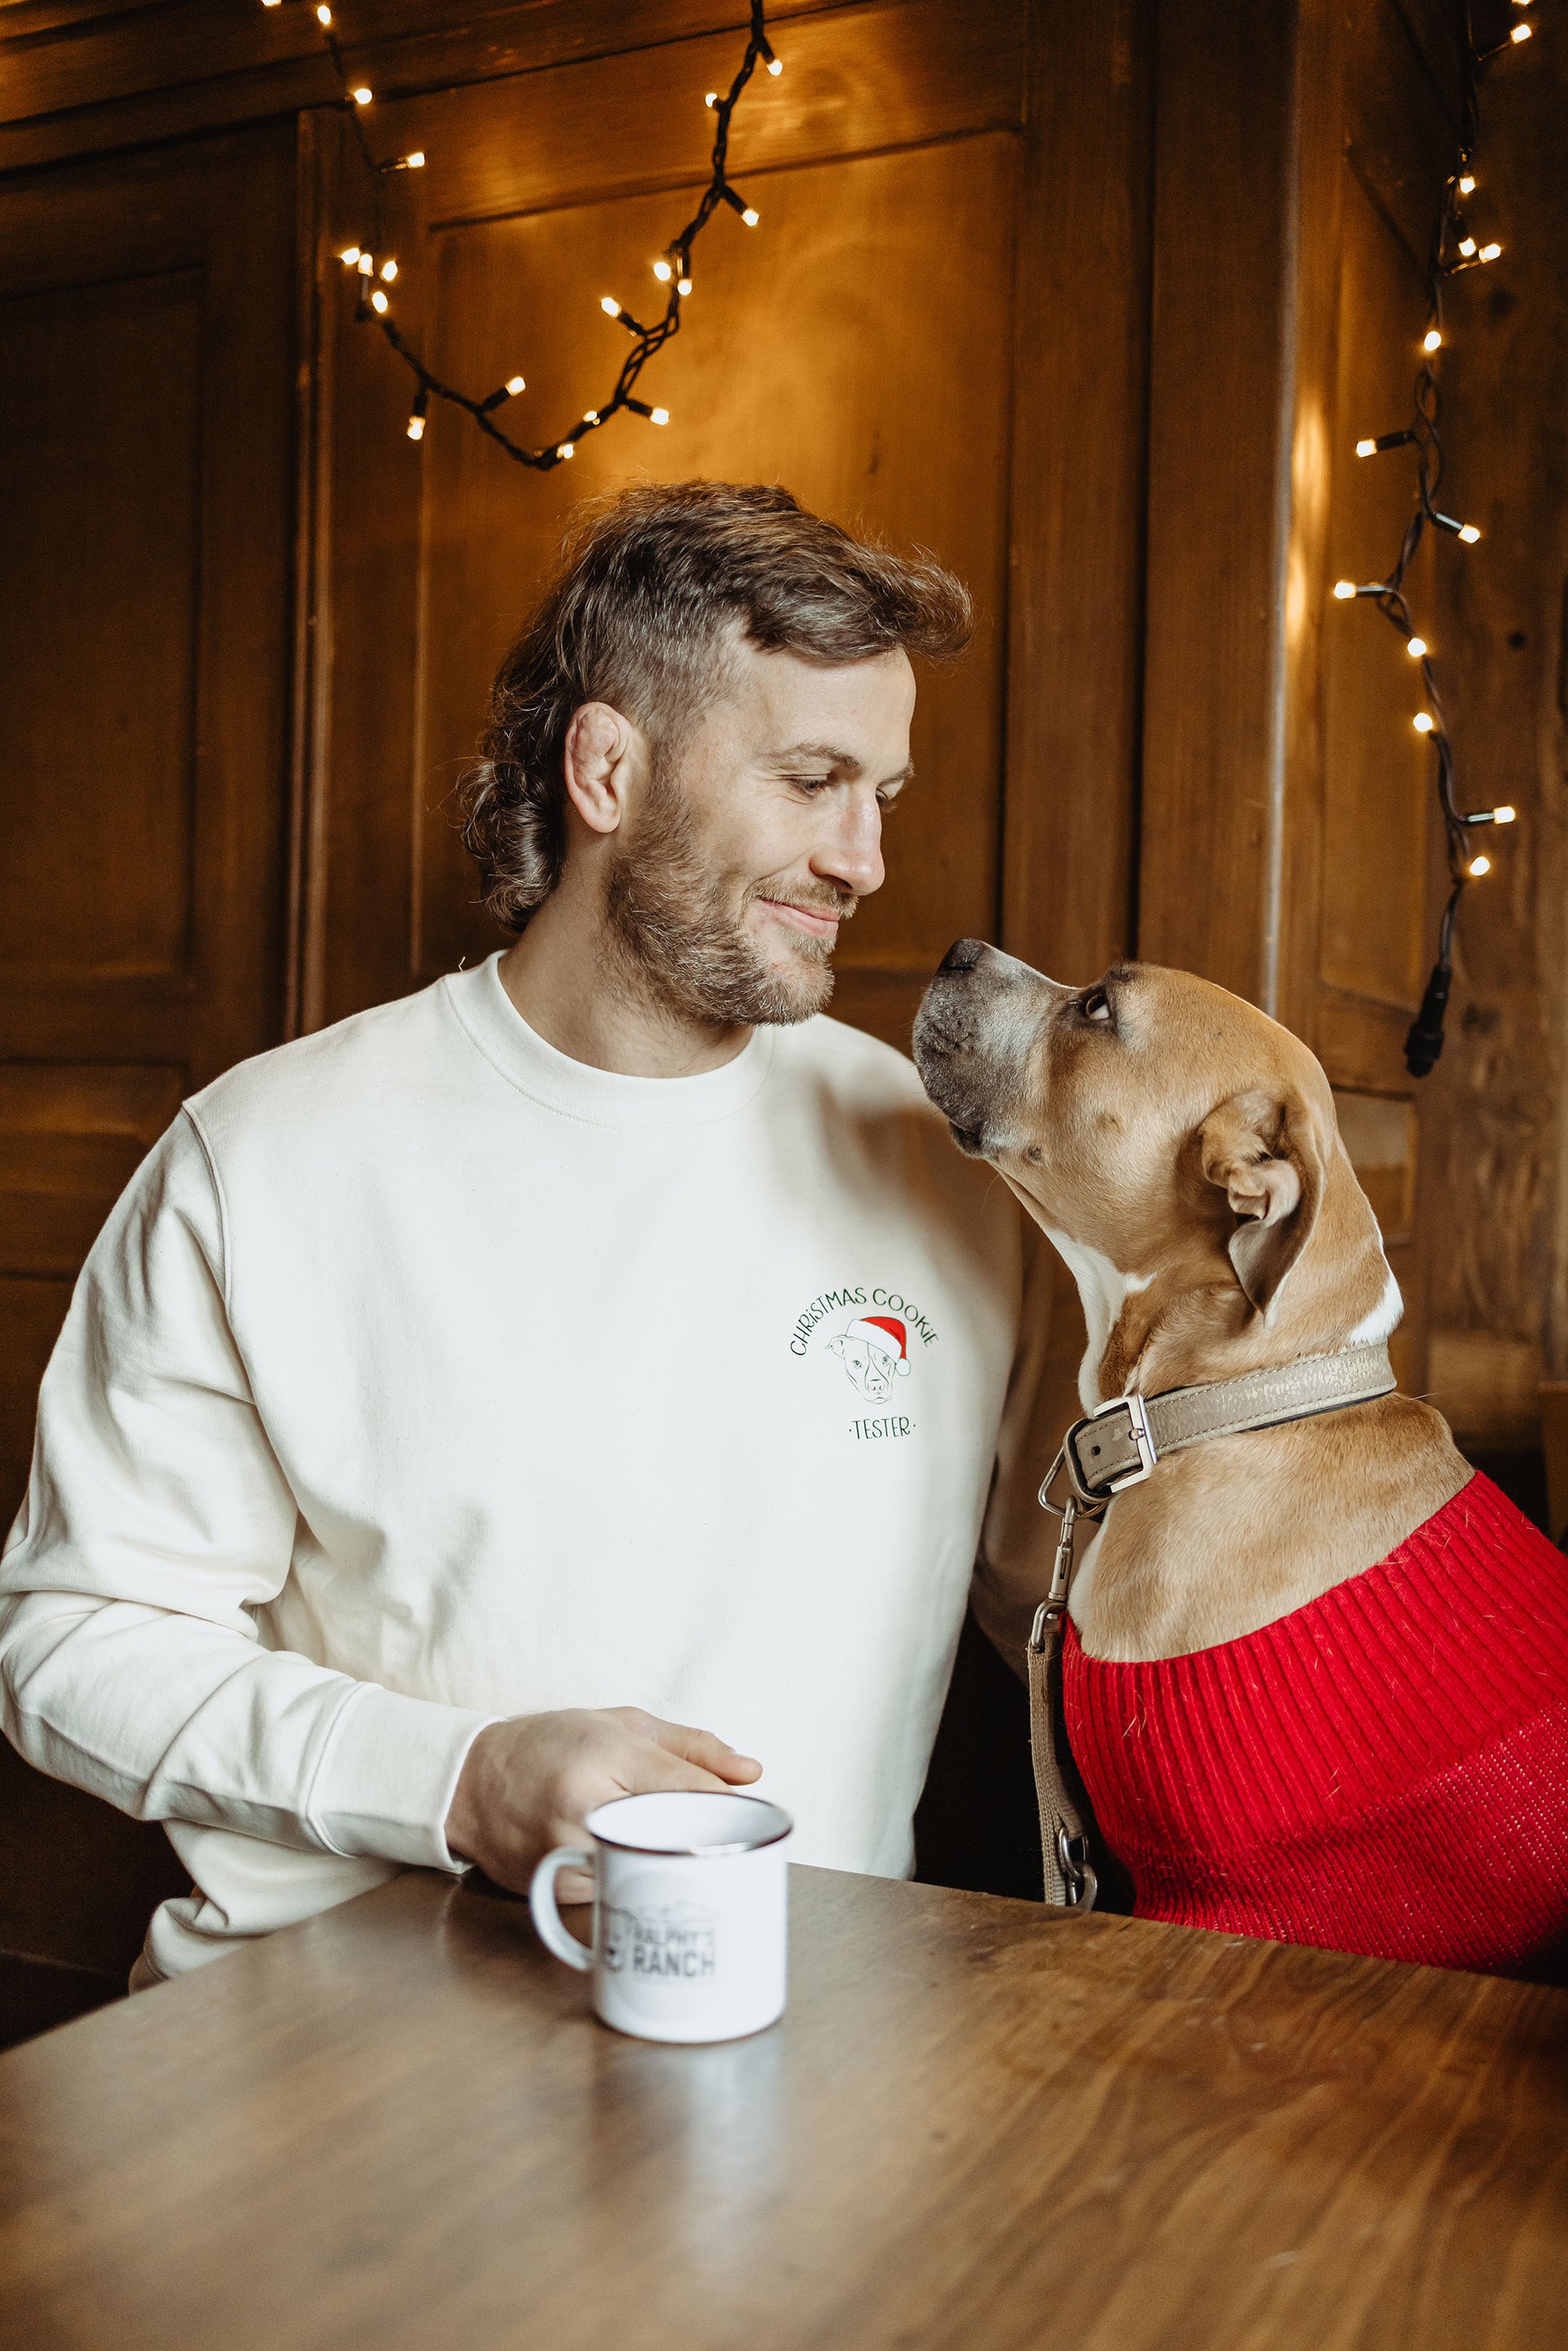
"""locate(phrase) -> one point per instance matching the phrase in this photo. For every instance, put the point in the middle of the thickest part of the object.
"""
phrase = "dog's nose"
(963, 954)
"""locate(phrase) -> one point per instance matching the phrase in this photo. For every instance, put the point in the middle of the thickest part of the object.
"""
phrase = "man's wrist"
(387, 1781)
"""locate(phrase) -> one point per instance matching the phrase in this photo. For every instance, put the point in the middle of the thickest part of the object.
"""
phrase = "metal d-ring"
(1085, 1507)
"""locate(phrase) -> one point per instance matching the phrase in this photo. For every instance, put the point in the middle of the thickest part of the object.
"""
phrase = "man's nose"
(852, 856)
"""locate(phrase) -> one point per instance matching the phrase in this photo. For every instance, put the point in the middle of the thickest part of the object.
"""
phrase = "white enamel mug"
(691, 1910)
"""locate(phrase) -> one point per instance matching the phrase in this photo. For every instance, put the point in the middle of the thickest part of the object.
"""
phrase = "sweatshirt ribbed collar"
(597, 1097)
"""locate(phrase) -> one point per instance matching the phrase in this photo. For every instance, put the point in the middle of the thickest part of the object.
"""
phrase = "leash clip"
(1079, 1880)
(1048, 1616)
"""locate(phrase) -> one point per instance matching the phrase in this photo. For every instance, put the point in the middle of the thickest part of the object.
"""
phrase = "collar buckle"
(1092, 1492)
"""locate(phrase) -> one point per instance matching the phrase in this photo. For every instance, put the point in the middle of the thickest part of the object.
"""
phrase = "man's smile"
(816, 922)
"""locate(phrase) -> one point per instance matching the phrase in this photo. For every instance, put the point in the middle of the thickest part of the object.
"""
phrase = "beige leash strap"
(1069, 1880)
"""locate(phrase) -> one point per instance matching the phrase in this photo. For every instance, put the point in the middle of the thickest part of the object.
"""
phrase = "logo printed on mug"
(675, 1940)
(690, 1913)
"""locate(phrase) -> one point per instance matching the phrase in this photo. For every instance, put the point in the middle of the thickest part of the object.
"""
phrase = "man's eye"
(1097, 1005)
(810, 783)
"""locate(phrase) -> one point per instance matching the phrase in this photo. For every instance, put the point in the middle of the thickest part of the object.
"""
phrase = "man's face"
(748, 849)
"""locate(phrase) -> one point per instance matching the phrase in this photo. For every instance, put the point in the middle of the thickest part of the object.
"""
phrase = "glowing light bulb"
(1489, 253)
(751, 215)
(1467, 185)
(775, 67)
(416, 428)
(1366, 448)
(610, 306)
(361, 97)
(1431, 341)
(272, 3)
(590, 415)
(323, 13)
(1477, 866)
(682, 284)
(365, 265)
(658, 415)
(414, 162)
(1521, 33)
(1469, 533)
(662, 271)
(389, 270)
(1504, 815)
(378, 302)
(1344, 588)
(1467, 245)
(348, 256)
(710, 98)
(1415, 648)
(514, 385)
(567, 449)
(1422, 722)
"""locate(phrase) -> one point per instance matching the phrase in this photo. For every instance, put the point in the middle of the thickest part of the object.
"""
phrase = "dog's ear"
(1262, 1150)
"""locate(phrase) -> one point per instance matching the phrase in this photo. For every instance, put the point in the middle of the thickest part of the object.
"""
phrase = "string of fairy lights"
(1455, 248)
(375, 269)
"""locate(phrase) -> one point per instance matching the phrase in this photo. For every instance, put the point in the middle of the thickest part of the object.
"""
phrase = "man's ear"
(598, 761)
(1262, 1150)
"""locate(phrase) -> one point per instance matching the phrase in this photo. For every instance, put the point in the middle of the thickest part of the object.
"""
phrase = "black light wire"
(1454, 249)
(374, 304)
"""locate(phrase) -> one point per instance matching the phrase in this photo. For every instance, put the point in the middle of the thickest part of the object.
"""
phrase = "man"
(446, 1379)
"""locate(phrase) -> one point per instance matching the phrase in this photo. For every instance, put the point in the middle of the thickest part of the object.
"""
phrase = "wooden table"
(978, 2124)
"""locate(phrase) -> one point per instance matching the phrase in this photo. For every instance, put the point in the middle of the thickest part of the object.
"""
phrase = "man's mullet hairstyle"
(652, 581)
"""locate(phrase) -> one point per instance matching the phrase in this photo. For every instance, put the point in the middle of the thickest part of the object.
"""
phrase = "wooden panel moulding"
(100, 488)
(1081, 332)
(858, 81)
(1292, 907)
(1401, 120)
(70, 1138)
(1378, 782)
(58, 57)
(1219, 424)
(75, 82)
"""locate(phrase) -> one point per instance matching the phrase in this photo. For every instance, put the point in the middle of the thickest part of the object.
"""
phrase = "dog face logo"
(874, 1353)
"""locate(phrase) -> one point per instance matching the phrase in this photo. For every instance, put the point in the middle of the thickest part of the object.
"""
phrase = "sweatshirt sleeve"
(1018, 1539)
(157, 1523)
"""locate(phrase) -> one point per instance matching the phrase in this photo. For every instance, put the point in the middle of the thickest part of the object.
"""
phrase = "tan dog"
(1181, 1151)
(1315, 1678)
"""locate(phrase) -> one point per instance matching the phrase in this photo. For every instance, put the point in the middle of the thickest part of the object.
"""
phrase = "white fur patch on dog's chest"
(1104, 1290)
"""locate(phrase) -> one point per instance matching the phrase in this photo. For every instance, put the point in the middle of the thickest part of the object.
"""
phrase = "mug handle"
(546, 1918)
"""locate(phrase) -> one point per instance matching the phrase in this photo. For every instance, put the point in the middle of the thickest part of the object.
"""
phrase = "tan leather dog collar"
(1119, 1445)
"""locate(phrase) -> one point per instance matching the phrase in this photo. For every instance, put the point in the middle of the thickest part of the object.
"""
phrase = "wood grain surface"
(399, 2126)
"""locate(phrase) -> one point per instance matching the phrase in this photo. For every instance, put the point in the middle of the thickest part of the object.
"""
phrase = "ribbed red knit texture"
(1382, 1770)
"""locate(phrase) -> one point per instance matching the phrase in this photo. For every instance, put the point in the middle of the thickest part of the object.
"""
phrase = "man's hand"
(528, 1784)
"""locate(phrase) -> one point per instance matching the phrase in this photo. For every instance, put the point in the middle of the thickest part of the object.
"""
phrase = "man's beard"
(681, 928)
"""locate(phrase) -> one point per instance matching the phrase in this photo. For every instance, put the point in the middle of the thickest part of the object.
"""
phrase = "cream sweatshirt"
(424, 1375)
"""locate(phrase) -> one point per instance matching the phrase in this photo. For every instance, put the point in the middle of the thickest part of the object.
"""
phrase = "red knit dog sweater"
(1382, 1770)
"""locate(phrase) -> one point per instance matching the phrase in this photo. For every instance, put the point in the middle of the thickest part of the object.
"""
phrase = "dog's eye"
(1097, 1005)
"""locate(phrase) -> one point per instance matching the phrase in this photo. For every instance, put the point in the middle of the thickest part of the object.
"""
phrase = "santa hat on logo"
(885, 1333)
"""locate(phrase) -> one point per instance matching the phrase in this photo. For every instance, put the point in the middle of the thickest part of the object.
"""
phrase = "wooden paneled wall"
(1091, 297)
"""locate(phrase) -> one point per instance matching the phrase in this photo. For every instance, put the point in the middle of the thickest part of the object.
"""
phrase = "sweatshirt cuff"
(386, 1782)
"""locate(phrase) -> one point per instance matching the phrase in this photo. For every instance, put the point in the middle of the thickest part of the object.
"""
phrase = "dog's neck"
(1186, 1320)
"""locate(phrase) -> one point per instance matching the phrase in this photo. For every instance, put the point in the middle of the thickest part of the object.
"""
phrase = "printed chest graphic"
(877, 1340)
